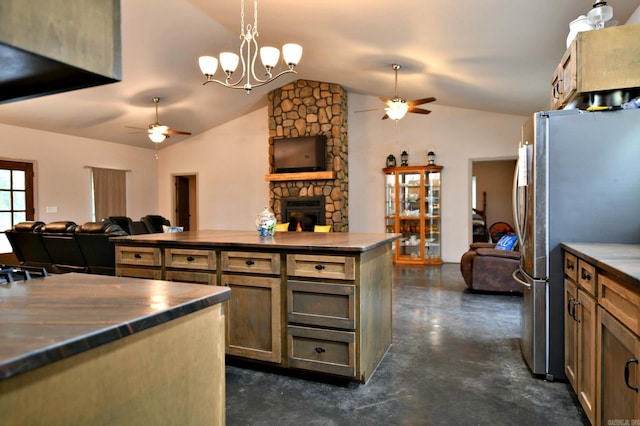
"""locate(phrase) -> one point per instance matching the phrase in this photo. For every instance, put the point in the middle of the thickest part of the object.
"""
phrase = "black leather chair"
(28, 245)
(61, 243)
(124, 222)
(154, 223)
(138, 228)
(99, 252)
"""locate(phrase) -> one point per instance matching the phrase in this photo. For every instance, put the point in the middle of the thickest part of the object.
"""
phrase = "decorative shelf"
(280, 177)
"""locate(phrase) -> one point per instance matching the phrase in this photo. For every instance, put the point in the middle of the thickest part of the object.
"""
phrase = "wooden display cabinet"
(412, 208)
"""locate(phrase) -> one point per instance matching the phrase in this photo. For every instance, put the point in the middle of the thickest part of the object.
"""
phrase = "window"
(16, 197)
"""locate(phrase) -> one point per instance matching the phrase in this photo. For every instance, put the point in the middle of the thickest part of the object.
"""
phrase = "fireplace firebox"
(305, 211)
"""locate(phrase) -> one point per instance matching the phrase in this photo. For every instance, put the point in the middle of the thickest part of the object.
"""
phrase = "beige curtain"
(109, 192)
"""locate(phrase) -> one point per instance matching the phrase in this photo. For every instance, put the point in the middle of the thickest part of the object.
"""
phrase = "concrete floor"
(455, 360)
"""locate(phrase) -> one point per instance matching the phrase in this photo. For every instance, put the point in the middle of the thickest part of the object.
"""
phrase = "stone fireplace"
(309, 108)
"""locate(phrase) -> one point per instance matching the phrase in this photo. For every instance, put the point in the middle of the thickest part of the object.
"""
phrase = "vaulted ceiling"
(492, 55)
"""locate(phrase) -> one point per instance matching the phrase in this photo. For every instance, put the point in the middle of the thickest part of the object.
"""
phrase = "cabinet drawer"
(328, 305)
(141, 256)
(191, 277)
(325, 351)
(327, 267)
(571, 267)
(587, 277)
(149, 273)
(190, 259)
(260, 263)
(621, 301)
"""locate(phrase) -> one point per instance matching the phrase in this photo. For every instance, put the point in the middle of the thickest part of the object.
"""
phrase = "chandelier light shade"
(269, 56)
(157, 134)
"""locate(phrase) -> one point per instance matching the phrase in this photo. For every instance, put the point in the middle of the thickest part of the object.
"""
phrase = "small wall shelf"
(280, 177)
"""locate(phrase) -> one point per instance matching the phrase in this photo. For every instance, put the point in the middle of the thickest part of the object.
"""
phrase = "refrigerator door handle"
(520, 281)
(514, 201)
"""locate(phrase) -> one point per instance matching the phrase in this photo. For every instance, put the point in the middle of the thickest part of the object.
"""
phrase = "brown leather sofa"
(486, 268)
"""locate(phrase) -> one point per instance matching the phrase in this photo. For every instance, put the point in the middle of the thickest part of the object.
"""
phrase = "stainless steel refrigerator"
(577, 180)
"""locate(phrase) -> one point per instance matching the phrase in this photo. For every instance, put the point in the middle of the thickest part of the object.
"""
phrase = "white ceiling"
(492, 55)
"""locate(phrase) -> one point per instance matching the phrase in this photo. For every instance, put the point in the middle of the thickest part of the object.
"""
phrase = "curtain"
(109, 192)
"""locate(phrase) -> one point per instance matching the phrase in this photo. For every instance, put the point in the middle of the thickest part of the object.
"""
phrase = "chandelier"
(248, 54)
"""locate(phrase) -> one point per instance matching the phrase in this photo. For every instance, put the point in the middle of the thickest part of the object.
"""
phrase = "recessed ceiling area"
(492, 56)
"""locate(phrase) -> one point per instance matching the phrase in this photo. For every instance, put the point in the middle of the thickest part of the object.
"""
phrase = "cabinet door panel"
(253, 317)
(570, 333)
(587, 327)
(326, 305)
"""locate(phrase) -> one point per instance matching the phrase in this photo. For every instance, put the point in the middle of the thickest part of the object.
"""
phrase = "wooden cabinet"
(253, 313)
(190, 265)
(338, 317)
(580, 331)
(139, 262)
(598, 61)
(412, 208)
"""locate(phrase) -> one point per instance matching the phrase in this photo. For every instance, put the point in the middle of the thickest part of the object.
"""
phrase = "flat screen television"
(303, 154)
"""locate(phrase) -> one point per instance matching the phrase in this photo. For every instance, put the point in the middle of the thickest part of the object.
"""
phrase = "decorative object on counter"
(269, 56)
(581, 23)
(599, 14)
(391, 160)
(266, 223)
(170, 229)
(404, 156)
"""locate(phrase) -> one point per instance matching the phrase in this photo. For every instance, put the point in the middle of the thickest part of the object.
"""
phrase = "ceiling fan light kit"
(291, 53)
(159, 132)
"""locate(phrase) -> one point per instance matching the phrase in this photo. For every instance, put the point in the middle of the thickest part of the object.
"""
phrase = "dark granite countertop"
(281, 241)
(44, 320)
(618, 260)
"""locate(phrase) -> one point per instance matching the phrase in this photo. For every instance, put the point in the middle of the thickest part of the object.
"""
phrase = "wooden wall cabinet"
(412, 208)
(597, 61)
(580, 331)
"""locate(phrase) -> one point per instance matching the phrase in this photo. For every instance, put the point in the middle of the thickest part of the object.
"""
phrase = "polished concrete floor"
(455, 360)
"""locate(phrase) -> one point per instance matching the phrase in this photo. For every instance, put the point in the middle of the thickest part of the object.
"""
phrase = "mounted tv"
(303, 154)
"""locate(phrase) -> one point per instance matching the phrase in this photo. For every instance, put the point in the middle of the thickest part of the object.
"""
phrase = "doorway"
(185, 202)
(492, 187)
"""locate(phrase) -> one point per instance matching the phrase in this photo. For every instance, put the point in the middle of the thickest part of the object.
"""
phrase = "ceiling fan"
(159, 132)
(397, 108)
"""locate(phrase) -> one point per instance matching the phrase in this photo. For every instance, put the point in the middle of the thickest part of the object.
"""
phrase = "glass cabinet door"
(410, 200)
(432, 216)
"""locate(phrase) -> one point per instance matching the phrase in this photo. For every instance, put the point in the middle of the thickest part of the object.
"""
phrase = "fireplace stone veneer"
(309, 108)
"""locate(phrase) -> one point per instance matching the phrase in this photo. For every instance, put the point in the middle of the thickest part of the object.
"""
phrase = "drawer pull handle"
(321, 350)
(575, 317)
(570, 265)
(190, 258)
(320, 267)
(586, 275)
(249, 262)
(137, 256)
(569, 303)
(626, 374)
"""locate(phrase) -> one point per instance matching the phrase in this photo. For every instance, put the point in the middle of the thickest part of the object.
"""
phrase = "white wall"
(62, 180)
(230, 162)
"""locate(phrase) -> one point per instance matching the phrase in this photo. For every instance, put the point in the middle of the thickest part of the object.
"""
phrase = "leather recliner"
(61, 243)
(486, 268)
(99, 252)
(28, 246)
(154, 223)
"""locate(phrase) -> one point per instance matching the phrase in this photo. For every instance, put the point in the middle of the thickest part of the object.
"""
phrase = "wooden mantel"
(280, 177)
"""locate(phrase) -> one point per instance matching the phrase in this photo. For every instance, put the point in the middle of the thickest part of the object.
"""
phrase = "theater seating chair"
(61, 243)
(154, 223)
(28, 246)
(99, 252)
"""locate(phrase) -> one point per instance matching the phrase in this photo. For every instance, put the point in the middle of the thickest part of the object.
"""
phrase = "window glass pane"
(5, 179)
(19, 200)
(5, 247)
(19, 217)
(18, 179)
(5, 221)
(5, 200)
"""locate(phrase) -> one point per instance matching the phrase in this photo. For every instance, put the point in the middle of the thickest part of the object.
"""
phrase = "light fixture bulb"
(599, 14)
(292, 53)
(229, 61)
(397, 109)
(269, 56)
(157, 137)
(208, 65)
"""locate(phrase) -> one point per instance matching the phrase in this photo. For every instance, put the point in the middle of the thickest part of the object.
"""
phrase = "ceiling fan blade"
(420, 101)
(177, 132)
(418, 110)
(367, 110)
(137, 128)
(385, 117)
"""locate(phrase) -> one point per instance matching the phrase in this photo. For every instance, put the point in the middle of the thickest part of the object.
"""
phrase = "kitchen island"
(318, 302)
(92, 349)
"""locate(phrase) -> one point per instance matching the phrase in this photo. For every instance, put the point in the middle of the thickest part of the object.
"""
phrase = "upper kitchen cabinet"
(600, 68)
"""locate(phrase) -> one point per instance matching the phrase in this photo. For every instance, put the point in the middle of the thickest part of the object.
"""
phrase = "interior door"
(183, 212)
